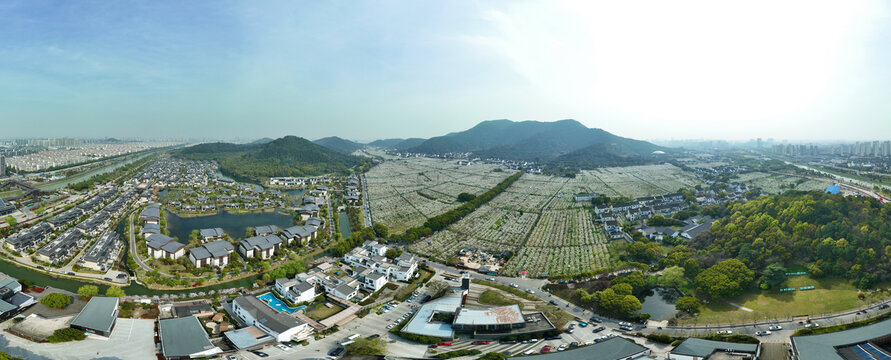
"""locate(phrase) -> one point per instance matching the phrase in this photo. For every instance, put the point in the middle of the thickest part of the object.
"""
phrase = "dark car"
(336, 351)
(107, 279)
(598, 329)
(573, 344)
(260, 353)
(71, 273)
(883, 306)
(595, 319)
(553, 302)
(374, 336)
(555, 337)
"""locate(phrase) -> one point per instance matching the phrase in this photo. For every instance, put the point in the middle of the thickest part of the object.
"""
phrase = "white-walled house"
(254, 312)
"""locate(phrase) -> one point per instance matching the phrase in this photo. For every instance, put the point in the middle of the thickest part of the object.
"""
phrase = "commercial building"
(617, 348)
(490, 319)
(867, 342)
(254, 312)
(700, 349)
(98, 317)
(12, 300)
(185, 338)
(249, 337)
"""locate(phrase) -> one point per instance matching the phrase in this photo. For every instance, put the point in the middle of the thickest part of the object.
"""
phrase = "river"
(56, 185)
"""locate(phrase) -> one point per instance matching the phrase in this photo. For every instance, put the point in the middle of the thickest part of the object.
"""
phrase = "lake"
(233, 224)
(659, 303)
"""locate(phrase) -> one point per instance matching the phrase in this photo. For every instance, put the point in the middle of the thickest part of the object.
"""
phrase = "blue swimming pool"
(278, 304)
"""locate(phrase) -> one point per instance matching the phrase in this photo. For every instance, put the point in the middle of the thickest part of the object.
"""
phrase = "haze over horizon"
(798, 70)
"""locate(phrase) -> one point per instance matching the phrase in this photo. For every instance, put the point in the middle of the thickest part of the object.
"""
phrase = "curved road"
(133, 248)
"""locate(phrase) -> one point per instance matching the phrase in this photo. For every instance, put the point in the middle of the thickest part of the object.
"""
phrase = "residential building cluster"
(77, 153)
(639, 209)
(297, 181)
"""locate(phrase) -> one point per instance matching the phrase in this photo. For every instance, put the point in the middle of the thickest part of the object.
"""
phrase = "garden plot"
(640, 181)
(778, 183)
(446, 243)
(565, 228)
(496, 225)
(405, 192)
(567, 260)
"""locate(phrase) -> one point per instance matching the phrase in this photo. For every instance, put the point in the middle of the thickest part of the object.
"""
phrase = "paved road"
(133, 250)
(365, 204)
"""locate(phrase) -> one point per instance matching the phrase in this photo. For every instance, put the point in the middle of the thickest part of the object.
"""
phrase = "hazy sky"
(379, 69)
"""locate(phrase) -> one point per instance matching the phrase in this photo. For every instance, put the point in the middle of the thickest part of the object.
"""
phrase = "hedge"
(458, 353)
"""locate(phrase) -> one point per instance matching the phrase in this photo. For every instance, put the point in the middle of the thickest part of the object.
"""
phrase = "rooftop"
(182, 337)
(491, 316)
(824, 346)
(98, 314)
(266, 315)
(612, 349)
(704, 348)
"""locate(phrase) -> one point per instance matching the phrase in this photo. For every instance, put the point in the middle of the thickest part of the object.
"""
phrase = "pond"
(659, 303)
(234, 225)
(296, 194)
(345, 225)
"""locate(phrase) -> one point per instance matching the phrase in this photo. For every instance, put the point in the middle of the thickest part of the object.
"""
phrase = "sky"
(365, 70)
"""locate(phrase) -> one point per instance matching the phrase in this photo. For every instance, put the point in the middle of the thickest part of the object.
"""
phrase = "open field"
(776, 183)
(830, 295)
(405, 192)
(537, 221)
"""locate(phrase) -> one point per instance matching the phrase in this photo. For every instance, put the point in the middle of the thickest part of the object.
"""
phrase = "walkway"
(133, 250)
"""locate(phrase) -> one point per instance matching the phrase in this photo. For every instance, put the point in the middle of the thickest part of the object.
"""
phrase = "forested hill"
(564, 142)
(339, 144)
(287, 156)
(829, 234)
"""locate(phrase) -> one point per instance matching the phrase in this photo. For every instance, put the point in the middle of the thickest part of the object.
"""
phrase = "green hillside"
(287, 156)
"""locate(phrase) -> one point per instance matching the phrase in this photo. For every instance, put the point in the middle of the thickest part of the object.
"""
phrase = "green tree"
(774, 274)
(393, 253)
(381, 230)
(727, 278)
(488, 356)
(672, 277)
(88, 291)
(65, 335)
(11, 221)
(114, 291)
(367, 346)
(691, 268)
(635, 279)
(465, 197)
(687, 304)
(56, 300)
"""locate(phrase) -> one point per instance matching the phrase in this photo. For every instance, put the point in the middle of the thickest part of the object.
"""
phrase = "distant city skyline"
(365, 70)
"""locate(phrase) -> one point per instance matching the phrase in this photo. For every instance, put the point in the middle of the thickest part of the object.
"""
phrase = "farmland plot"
(640, 181)
(405, 192)
(777, 183)
(564, 228)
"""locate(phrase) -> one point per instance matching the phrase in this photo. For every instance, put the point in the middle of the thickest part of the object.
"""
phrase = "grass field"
(322, 312)
(491, 297)
(831, 295)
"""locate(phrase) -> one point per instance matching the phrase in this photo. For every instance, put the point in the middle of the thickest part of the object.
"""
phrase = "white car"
(725, 332)
(514, 285)
(282, 347)
(389, 326)
(490, 279)
(762, 333)
(561, 347)
(530, 291)
(775, 328)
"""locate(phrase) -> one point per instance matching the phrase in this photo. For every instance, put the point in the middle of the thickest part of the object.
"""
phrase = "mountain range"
(564, 142)
(287, 156)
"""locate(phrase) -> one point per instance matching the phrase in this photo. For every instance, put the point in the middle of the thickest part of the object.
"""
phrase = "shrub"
(458, 353)
(56, 300)
(65, 335)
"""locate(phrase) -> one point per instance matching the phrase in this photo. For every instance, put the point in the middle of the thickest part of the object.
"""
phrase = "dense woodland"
(830, 234)
(287, 156)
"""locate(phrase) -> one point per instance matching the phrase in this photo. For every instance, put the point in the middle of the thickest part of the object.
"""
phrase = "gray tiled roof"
(704, 348)
(611, 349)
(267, 316)
(823, 346)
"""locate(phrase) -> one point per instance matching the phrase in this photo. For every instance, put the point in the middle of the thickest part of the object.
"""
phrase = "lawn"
(320, 311)
(491, 297)
(830, 295)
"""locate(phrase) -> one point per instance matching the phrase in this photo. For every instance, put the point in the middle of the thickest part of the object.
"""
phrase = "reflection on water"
(659, 303)
(234, 225)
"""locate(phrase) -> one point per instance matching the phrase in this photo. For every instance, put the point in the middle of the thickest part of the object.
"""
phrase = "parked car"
(231, 357)
(884, 306)
(553, 302)
(374, 336)
(490, 279)
(583, 324)
(626, 328)
(573, 345)
(260, 353)
(445, 344)
(480, 343)
(434, 346)
(514, 285)
(725, 332)
(288, 345)
(595, 319)
(529, 291)
(762, 333)
(336, 351)
(554, 337)
(390, 326)
(561, 347)
(775, 328)
(546, 349)
(598, 329)
(282, 347)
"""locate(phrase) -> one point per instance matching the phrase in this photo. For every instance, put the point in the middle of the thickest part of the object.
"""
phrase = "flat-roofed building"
(254, 312)
(867, 342)
(617, 348)
(697, 349)
(185, 338)
(98, 317)
(489, 319)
